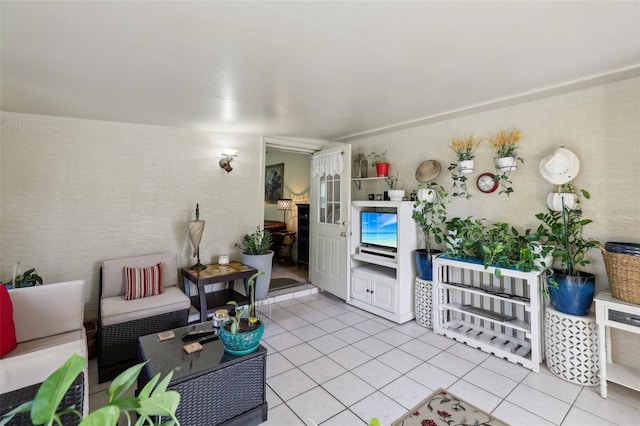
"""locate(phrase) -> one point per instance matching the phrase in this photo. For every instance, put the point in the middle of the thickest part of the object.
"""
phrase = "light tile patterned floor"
(335, 364)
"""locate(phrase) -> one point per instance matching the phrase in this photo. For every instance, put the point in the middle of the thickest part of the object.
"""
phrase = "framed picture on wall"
(273, 183)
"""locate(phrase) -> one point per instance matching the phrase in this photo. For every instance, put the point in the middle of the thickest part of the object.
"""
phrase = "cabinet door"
(360, 288)
(383, 293)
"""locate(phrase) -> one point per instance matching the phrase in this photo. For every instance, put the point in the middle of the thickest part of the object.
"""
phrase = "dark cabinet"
(303, 235)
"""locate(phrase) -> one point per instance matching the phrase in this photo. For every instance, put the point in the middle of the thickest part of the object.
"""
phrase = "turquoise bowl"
(241, 343)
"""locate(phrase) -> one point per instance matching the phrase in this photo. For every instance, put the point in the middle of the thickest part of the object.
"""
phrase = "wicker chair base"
(73, 398)
(118, 343)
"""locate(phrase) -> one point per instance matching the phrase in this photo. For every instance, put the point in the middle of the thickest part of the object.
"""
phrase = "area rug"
(444, 408)
(280, 283)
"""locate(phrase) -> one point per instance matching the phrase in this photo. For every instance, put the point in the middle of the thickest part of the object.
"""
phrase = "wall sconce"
(227, 157)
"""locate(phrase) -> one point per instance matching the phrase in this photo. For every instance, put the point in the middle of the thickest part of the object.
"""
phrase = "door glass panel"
(329, 198)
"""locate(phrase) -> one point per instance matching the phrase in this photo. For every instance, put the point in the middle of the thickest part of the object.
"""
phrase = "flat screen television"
(379, 229)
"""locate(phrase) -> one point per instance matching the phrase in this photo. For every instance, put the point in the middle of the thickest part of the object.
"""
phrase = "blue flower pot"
(424, 263)
(574, 294)
(242, 343)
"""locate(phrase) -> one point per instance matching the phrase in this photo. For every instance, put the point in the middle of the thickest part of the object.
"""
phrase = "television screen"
(378, 228)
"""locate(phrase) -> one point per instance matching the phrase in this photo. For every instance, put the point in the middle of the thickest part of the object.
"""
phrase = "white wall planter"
(557, 200)
(466, 166)
(505, 164)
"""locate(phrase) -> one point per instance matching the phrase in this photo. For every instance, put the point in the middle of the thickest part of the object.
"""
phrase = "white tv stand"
(382, 280)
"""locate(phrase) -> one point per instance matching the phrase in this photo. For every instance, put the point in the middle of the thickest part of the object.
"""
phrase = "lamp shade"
(285, 204)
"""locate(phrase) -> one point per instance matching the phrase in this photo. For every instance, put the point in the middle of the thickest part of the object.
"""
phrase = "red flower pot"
(382, 169)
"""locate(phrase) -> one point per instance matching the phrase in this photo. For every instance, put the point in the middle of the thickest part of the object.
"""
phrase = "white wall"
(601, 125)
(77, 192)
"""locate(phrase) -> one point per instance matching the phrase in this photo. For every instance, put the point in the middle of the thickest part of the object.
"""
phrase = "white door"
(330, 223)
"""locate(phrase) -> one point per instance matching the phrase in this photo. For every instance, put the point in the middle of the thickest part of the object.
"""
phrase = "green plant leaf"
(53, 389)
(164, 384)
(105, 416)
(22, 408)
(124, 381)
(146, 390)
(162, 404)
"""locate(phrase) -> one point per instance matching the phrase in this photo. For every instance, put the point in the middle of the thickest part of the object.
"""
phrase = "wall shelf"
(358, 181)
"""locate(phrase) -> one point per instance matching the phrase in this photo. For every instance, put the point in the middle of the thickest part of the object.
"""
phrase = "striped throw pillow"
(143, 282)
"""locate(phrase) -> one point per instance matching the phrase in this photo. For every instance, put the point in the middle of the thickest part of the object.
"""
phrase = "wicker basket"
(623, 271)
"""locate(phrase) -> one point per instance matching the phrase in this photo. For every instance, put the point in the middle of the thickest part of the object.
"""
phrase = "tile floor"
(335, 364)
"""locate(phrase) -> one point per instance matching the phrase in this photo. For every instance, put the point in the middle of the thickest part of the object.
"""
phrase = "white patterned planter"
(571, 347)
(423, 302)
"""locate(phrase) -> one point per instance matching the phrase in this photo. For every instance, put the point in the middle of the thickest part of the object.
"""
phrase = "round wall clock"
(487, 183)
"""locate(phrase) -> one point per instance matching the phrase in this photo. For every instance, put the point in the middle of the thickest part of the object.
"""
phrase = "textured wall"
(601, 125)
(76, 192)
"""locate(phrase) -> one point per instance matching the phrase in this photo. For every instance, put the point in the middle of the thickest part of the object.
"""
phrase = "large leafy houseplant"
(429, 215)
(571, 288)
(152, 400)
(258, 242)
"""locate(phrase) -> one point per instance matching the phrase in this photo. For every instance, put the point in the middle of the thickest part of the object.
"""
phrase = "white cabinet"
(499, 315)
(373, 285)
(615, 313)
(382, 280)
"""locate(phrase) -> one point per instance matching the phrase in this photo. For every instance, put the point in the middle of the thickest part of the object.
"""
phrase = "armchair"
(122, 321)
(49, 329)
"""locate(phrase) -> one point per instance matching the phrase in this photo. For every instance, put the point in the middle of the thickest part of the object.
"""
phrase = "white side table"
(615, 313)
(571, 347)
(424, 302)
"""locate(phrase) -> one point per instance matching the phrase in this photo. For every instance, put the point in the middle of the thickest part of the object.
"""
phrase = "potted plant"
(256, 252)
(465, 152)
(27, 279)
(571, 289)
(241, 335)
(379, 161)
(430, 214)
(506, 149)
(151, 401)
(463, 235)
(506, 156)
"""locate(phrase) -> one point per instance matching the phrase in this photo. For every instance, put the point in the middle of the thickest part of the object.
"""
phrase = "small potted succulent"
(241, 335)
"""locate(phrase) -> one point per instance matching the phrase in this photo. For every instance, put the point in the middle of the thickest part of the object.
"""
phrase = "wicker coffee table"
(215, 387)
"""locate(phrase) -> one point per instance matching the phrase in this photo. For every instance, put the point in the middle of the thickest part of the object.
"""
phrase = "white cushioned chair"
(122, 322)
(49, 329)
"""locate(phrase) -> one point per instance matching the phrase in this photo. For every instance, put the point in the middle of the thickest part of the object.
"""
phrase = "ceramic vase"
(241, 343)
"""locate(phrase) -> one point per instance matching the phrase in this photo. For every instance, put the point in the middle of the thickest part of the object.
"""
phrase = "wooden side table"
(283, 247)
(207, 303)
(615, 313)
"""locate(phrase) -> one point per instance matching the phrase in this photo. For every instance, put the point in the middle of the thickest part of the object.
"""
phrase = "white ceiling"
(323, 69)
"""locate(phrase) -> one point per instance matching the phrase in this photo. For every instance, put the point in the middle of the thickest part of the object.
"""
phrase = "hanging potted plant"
(506, 156)
(241, 335)
(571, 289)
(256, 252)
(465, 151)
(379, 161)
(430, 214)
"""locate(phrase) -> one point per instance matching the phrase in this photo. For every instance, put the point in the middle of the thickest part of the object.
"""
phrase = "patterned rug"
(444, 408)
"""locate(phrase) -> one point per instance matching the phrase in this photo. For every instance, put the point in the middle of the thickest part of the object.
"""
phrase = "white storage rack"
(502, 316)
